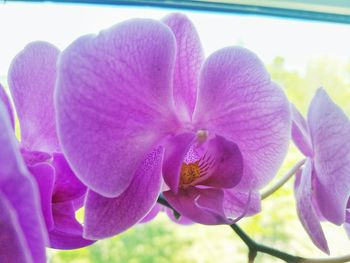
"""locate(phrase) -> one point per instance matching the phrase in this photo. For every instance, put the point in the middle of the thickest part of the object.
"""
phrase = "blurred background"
(300, 55)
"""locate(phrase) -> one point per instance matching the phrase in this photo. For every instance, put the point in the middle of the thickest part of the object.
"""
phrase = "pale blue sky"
(297, 41)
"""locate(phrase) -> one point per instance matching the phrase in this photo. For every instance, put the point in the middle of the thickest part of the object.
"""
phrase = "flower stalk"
(283, 180)
(255, 247)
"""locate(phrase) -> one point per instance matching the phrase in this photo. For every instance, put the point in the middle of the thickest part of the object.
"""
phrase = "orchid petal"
(347, 223)
(68, 232)
(67, 186)
(238, 203)
(45, 177)
(6, 101)
(13, 247)
(114, 101)
(151, 214)
(202, 206)
(237, 100)
(21, 192)
(182, 220)
(189, 58)
(305, 209)
(227, 160)
(175, 151)
(32, 77)
(300, 132)
(106, 217)
(330, 130)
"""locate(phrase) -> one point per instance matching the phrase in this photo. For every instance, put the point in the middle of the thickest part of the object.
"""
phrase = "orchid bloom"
(322, 187)
(32, 77)
(23, 235)
(137, 103)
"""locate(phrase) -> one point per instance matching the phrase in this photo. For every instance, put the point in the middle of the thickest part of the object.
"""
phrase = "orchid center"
(189, 173)
(195, 172)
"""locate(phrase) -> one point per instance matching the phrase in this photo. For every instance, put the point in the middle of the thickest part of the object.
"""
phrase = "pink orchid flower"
(322, 187)
(32, 77)
(138, 103)
(23, 234)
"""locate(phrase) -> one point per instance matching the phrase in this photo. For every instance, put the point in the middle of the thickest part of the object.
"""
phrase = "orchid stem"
(283, 180)
(255, 247)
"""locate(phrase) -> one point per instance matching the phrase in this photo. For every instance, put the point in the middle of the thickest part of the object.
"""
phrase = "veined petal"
(300, 132)
(204, 206)
(18, 187)
(227, 163)
(175, 150)
(189, 58)
(13, 246)
(68, 232)
(330, 131)
(67, 185)
(106, 217)
(45, 178)
(237, 100)
(32, 77)
(6, 101)
(114, 101)
(238, 203)
(305, 209)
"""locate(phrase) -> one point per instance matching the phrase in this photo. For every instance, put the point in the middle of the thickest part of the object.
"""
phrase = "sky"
(297, 41)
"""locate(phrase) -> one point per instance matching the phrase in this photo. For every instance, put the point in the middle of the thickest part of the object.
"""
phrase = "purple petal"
(330, 131)
(67, 186)
(202, 206)
(105, 217)
(347, 223)
(237, 100)
(152, 214)
(175, 150)
(6, 101)
(305, 209)
(32, 77)
(13, 246)
(68, 232)
(189, 58)
(21, 192)
(300, 132)
(114, 101)
(34, 157)
(182, 220)
(227, 167)
(45, 177)
(237, 203)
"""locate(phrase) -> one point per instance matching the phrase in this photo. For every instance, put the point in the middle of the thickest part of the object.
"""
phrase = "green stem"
(283, 179)
(255, 247)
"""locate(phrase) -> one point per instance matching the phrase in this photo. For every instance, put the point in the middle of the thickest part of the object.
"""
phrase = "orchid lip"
(196, 172)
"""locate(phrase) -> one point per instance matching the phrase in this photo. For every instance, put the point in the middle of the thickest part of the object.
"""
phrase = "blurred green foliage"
(162, 241)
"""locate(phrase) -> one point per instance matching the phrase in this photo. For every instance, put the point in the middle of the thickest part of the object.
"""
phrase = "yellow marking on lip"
(189, 173)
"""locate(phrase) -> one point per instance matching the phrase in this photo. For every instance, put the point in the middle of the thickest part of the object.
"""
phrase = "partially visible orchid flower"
(322, 187)
(138, 102)
(32, 77)
(22, 230)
